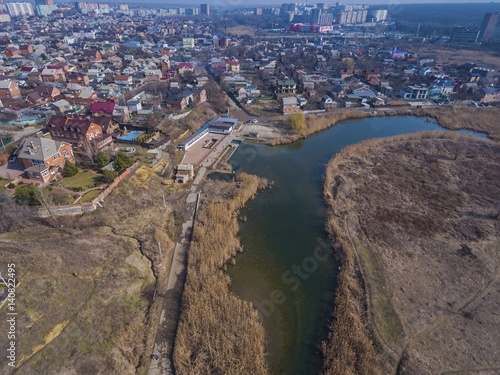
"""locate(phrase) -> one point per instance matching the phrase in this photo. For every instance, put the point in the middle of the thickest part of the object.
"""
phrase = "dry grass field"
(218, 333)
(86, 284)
(460, 56)
(480, 119)
(241, 30)
(416, 223)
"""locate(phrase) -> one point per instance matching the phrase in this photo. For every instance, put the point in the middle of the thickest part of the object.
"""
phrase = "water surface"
(285, 269)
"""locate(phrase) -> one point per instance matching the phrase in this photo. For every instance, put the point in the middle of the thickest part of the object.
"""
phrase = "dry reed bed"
(316, 124)
(218, 333)
(355, 344)
(454, 118)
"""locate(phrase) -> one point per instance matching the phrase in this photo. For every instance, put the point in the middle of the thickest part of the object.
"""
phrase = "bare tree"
(88, 150)
(13, 216)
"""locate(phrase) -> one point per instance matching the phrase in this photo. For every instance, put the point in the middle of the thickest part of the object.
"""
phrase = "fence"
(80, 208)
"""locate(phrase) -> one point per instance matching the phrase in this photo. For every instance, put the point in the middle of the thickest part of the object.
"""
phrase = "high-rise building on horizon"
(464, 35)
(205, 9)
(378, 15)
(490, 27)
(20, 9)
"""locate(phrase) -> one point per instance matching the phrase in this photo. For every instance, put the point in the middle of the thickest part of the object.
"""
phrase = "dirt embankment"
(416, 222)
(218, 333)
(86, 284)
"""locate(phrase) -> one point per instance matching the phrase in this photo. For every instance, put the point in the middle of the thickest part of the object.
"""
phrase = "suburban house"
(289, 105)
(327, 102)
(121, 113)
(123, 80)
(286, 87)
(185, 67)
(9, 89)
(489, 94)
(92, 55)
(103, 108)
(232, 65)
(53, 75)
(77, 77)
(180, 100)
(217, 65)
(445, 87)
(43, 158)
(87, 95)
(11, 52)
(43, 94)
(153, 75)
(61, 106)
(415, 92)
(199, 95)
(26, 49)
(201, 81)
(78, 130)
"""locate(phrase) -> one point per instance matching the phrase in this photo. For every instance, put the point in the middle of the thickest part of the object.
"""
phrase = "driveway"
(12, 170)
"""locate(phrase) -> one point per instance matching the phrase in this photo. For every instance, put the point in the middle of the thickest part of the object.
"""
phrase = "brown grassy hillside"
(86, 284)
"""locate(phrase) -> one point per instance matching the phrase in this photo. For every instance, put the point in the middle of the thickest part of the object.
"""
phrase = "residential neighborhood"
(134, 138)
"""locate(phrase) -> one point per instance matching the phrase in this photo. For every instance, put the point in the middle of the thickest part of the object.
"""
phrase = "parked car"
(254, 121)
(12, 159)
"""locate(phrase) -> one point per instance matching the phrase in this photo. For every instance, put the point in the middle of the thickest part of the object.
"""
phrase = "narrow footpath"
(167, 328)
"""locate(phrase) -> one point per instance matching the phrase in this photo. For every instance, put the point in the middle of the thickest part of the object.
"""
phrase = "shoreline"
(451, 118)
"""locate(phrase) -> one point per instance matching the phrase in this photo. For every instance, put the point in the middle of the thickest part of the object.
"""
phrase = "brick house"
(26, 49)
(165, 52)
(78, 130)
(289, 105)
(199, 95)
(11, 52)
(43, 94)
(9, 89)
(77, 77)
(53, 75)
(44, 158)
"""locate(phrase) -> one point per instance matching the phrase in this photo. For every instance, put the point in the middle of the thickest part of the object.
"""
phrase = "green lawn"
(83, 180)
(87, 197)
(61, 197)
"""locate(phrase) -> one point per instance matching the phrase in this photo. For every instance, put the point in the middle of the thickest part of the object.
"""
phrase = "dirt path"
(167, 326)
